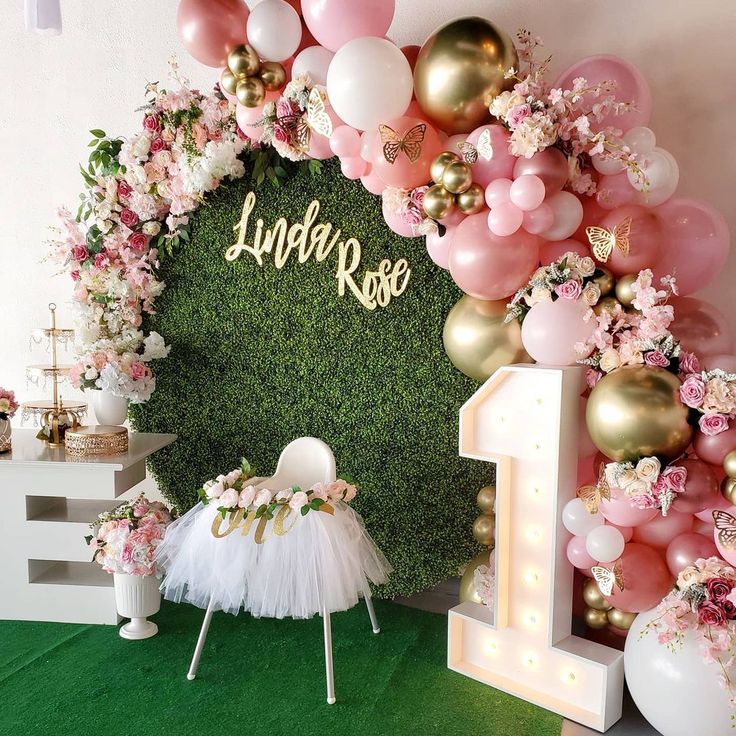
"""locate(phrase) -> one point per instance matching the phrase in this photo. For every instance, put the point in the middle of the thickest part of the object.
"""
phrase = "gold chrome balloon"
(594, 598)
(484, 529)
(477, 340)
(486, 499)
(606, 304)
(595, 619)
(251, 92)
(728, 489)
(457, 177)
(624, 292)
(635, 411)
(729, 464)
(467, 582)
(438, 202)
(437, 167)
(228, 81)
(605, 281)
(620, 619)
(243, 61)
(460, 69)
(472, 200)
(272, 74)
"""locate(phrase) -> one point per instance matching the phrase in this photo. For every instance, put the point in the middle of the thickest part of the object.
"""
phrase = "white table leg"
(328, 657)
(374, 621)
(200, 643)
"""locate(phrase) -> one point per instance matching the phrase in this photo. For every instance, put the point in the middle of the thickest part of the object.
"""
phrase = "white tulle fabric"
(324, 561)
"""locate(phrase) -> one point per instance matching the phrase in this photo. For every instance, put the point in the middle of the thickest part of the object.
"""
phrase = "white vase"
(677, 692)
(136, 597)
(5, 432)
(109, 409)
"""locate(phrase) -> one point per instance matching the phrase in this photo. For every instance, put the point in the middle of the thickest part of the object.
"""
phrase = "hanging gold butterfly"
(604, 241)
(726, 526)
(607, 578)
(592, 496)
(484, 149)
(410, 144)
(314, 119)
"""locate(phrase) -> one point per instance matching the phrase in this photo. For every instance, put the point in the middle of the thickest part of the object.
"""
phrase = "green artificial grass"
(261, 356)
(257, 677)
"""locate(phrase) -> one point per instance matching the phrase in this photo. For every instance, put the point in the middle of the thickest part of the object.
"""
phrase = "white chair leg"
(328, 658)
(200, 643)
(374, 621)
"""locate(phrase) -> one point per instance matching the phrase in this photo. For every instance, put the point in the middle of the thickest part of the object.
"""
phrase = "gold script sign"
(312, 239)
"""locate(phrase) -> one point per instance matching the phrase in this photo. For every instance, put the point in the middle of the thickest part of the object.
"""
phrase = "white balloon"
(314, 61)
(568, 212)
(640, 139)
(274, 30)
(369, 82)
(662, 176)
(677, 692)
(605, 543)
(578, 520)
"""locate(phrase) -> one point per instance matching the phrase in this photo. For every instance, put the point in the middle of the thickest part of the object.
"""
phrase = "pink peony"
(138, 241)
(689, 363)
(151, 124)
(718, 589)
(711, 614)
(571, 289)
(80, 253)
(657, 358)
(128, 218)
(712, 424)
(692, 391)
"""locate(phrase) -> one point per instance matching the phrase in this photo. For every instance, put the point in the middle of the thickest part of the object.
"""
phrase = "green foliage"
(262, 356)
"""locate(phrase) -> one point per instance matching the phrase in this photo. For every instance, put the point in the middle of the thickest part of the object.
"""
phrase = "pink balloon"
(550, 165)
(631, 86)
(724, 362)
(552, 328)
(645, 239)
(647, 579)
(210, 29)
(568, 214)
(319, 145)
(697, 240)
(395, 221)
(335, 22)
(706, 515)
(701, 487)
(578, 554)
(248, 117)
(615, 191)
(538, 220)
(498, 192)
(489, 266)
(593, 213)
(728, 554)
(684, 549)
(661, 530)
(438, 246)
(345, 141)
(626, 531)
(621, 512)
(703, 527)
(587, 472)
(501, 164)
(700, 327)
(404, 172)
(586, 448)
(371, 182)
(553, 250)
(369, 143)
(505, 219)
(527, 192)
(353, 168)
(714, 448)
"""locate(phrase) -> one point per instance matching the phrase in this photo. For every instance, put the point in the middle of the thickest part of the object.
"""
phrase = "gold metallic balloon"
(460, 69)
(437, 167)
(438, 202)
(595, 619)
(484, 529)
(472, 200)
(457, 177)
(477, 340)
(621, 619)
(467, 582)
(593, 597)
(605, 281)
(729, 464)
(486, 499)
(243, 61)
(728, 489)
(635, 411)
(251, 92)
(228, 81)
(272, 74)
(624, 292)
(606, 304)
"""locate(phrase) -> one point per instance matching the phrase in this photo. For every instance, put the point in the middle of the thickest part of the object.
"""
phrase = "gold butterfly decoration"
(484, 149)
(604, 241)
(410, 144)
(607, 578)
(315, 119)
(726, 526)
(592, 496)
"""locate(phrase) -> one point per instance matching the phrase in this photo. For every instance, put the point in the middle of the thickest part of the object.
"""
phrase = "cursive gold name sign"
(311, 239)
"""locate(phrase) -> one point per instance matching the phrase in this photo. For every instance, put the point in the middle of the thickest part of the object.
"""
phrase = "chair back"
(303, 462)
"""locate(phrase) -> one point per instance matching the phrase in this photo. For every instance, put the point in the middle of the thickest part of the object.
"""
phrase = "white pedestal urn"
(136, 597)
(5, 433)
(109, 409)
(676, 691)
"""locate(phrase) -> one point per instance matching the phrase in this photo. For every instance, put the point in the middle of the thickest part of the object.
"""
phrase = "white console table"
(48, 501)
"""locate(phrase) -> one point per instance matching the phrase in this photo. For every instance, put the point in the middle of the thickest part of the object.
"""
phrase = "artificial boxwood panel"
(261, 356)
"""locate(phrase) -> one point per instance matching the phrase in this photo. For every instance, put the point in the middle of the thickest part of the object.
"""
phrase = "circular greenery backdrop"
(261, 356)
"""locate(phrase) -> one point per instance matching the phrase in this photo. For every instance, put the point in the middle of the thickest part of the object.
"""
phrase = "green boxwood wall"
(262, 356)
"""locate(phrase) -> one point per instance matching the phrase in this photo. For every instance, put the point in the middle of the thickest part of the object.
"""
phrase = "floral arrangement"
(647, 484)
(711, 393)
(484, 580)
(125, 539)
(704, 602)
(8, 404)
(407, 204)
(569, 277)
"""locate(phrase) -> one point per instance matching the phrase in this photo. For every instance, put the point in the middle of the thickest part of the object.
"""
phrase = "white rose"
(502, 103)
(625, 477)
(284, 495)
(539, 294)
(637, 488)
(215, 490)
(586, 266)
(233, 476)
(610, 360)
(246, 497)
(220, 478)
(151, 227)
(140, 146)
(647, 469)
(90, 374)
(298, 500)
(591, 294)
(229, 499)
(263, 497)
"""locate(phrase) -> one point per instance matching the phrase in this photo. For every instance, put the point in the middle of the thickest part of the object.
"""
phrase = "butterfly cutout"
(484, 149)
(604, 241)
(315, 119)
(592, 496)
(726, 526)
(410, 144)
(607, 578)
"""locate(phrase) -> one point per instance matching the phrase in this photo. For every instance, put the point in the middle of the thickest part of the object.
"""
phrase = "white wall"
(54, 89)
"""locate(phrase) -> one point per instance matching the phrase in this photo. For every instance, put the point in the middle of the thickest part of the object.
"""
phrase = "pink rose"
(689, 362)
(718, 589)
(124, 189)
(101, 261)
(128, 218)
(417, 196)
(674, 478)
(712, 424)
(518, 113)
(711, 614)
(80, 253)
(571, 289)
(592, 376)
(412, 216)
(657, 358)
(138, 370)
(280, 133)
(692, 391)
(283, 108)
(151, 123)
(75, 275)
(158, 144)
(138, 241)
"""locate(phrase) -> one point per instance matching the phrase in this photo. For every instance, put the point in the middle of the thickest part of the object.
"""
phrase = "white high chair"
(303, 462)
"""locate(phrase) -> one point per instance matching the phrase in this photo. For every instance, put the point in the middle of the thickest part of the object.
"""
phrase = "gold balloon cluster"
(484, 528)
(248, 78)
(453, 187)
(600, 613)
(728, 484)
